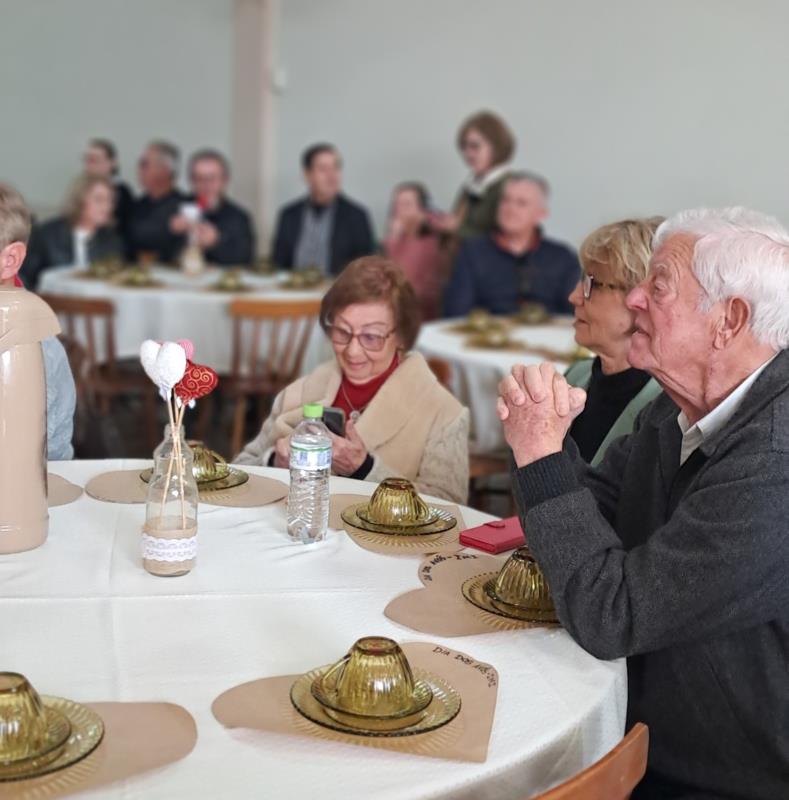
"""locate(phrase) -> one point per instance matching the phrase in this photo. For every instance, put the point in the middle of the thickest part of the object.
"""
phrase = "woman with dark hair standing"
(100, 160)
(371, 318)
(415, 248)
(486, 145)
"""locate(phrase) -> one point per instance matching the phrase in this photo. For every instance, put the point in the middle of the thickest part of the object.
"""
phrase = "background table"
(185, 307)
(81, 618)
(476, 372)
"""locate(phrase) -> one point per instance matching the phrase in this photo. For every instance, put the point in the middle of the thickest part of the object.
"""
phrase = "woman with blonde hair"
(82, 234)
(614, 258)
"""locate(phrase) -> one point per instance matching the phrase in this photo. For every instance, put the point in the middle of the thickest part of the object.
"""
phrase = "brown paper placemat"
(61, 492)
(440, 608)
(265, 706)
(257, 491)
(138, 738)
(126, 486)
(387, 544)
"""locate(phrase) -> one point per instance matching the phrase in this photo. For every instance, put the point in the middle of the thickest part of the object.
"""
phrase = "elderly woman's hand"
(443, 222)
(282, 452)
(348, 452)
(537, 406)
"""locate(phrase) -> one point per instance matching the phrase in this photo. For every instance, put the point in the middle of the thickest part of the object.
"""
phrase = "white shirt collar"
(694, 435)
(478, 186)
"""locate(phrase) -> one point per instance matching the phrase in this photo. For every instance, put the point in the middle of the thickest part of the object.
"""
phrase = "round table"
(476, 372)
(82, 619)
(183, 307)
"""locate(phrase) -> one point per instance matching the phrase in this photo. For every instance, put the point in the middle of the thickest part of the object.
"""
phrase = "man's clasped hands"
(537, 406)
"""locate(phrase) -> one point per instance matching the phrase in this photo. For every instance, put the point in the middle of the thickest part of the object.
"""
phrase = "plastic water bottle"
(310, 465)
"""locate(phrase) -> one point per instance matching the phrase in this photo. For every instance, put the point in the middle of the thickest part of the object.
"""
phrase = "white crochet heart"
(164, 364)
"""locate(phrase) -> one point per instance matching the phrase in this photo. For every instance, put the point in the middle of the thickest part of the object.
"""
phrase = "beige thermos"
(25, 320)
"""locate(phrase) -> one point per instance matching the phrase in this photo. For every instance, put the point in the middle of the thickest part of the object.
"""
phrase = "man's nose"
(636, 299)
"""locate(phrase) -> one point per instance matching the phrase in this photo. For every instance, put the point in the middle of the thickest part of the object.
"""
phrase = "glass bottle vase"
(170, 530)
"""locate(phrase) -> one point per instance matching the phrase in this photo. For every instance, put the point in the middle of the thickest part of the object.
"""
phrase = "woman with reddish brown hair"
(400, 420)
(486, 145)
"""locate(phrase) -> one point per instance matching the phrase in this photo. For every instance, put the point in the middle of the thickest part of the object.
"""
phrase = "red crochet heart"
(198, 381)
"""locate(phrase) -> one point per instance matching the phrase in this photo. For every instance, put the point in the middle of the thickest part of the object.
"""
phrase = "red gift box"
(495, 536)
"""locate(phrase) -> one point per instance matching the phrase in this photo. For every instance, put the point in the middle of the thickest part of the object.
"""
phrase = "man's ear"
(11, 258)
(734, 320)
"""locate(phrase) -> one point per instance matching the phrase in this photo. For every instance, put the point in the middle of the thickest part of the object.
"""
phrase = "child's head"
(14, 232)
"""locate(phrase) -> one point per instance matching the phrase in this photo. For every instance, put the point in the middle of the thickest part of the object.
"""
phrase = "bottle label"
(312, 459)
(156, 549)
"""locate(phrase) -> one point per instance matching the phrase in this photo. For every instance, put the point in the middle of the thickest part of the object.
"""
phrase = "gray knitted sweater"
(686, 572)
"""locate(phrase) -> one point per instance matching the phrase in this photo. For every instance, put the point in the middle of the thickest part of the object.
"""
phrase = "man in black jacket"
(224, 230)
(148, 225)
(324, 229)
(674, 551)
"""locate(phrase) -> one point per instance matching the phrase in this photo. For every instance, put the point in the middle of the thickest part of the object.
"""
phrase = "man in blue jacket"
(516, 263)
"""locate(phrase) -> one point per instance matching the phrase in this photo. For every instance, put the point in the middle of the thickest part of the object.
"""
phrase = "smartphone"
(334, 420)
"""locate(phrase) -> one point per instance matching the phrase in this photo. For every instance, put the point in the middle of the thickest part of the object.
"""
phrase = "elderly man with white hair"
(147, 231)
(674, 551)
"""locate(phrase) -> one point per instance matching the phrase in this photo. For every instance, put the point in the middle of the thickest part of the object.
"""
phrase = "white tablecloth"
(81, 618)
(476, 373)
(185, 308)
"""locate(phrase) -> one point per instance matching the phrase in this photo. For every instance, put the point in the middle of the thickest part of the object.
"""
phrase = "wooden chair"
(100, 377)
(613, 777)
(442, 370)
(269, 342)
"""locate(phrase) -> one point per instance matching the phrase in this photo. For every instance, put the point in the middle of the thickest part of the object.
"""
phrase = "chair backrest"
(270, 338)
(82, 320)
(613, 777)
(442, 370)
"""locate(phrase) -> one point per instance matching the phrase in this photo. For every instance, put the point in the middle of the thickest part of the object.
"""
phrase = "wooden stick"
(179, 419)
(172, 458)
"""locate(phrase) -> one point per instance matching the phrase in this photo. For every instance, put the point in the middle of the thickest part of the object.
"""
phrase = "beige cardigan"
(413, 427)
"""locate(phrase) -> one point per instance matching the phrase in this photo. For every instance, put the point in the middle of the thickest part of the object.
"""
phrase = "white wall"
(627, 106)
(128, 70)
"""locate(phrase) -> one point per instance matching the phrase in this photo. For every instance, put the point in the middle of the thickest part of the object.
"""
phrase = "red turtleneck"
(357, 396)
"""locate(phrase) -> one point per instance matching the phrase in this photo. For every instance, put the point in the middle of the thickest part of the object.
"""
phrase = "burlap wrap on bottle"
(25, 320)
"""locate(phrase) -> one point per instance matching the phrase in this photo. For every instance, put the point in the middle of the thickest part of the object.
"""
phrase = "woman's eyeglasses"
(369, 341)
(589, 282)
(471, 144)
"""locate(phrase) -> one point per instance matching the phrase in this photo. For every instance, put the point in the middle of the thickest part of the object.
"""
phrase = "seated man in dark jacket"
(148, 224)
(324, 229)
(224, 230)
(515, 264)
(674, 551)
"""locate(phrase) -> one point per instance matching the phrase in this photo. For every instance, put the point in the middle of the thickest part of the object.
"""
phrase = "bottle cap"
(313, 411)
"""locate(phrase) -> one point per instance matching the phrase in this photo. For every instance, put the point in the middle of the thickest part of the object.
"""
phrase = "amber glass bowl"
(28, 729)
(532, 314)
(374, 679)
(208, 465)
(396, 503)
(520, 583)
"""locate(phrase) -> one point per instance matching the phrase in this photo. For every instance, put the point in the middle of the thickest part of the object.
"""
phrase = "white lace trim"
(156, 549)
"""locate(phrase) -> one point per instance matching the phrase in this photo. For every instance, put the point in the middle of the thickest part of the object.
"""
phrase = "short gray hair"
(168, 153)
(523, 175)
(742, 253)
